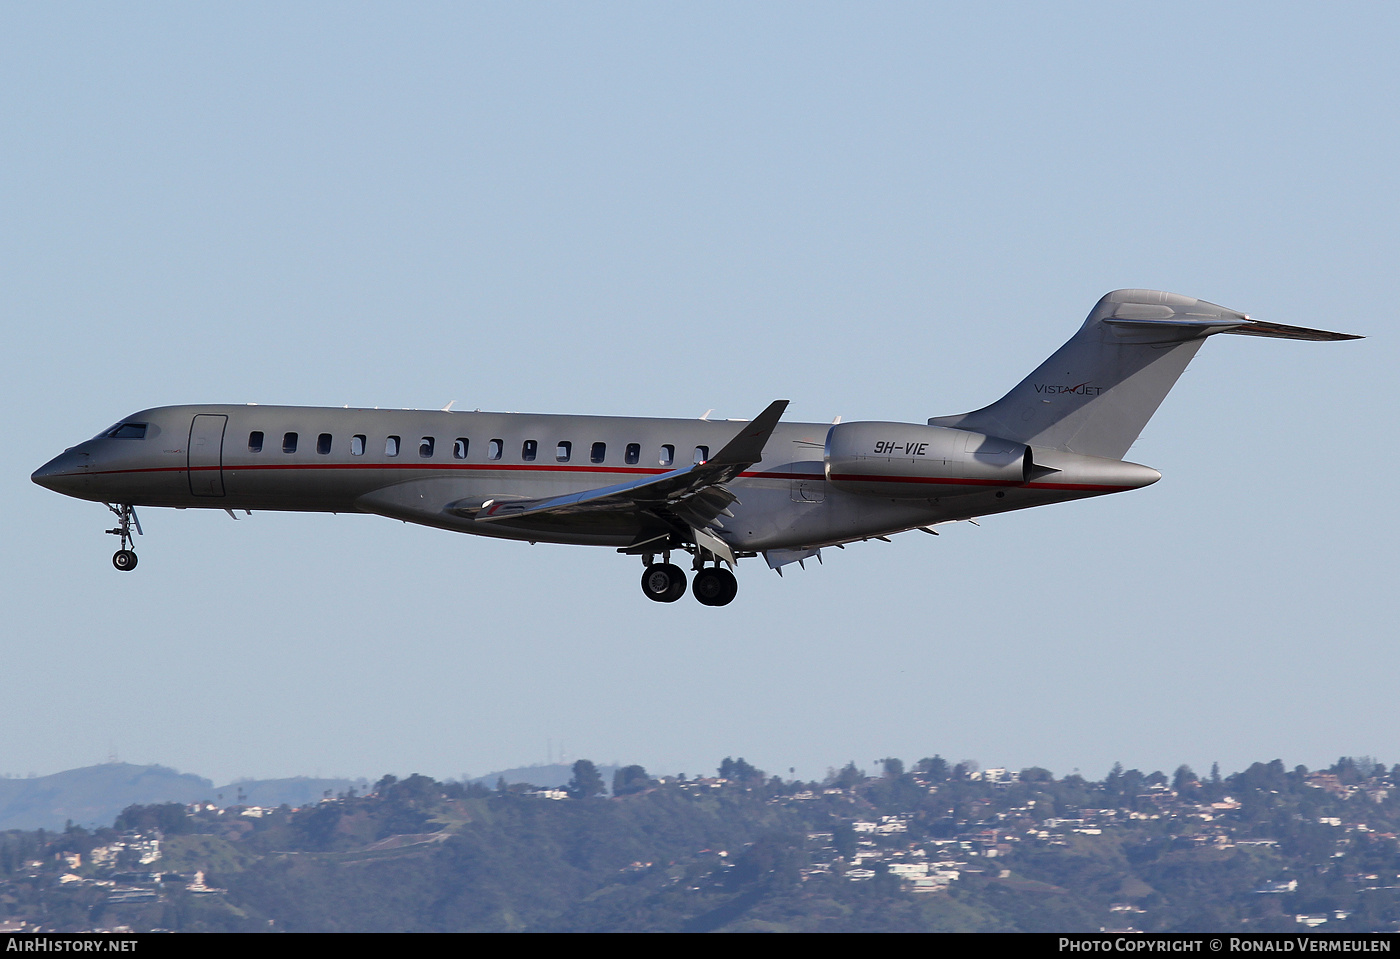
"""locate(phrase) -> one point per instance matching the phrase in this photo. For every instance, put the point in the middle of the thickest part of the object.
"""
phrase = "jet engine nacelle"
(908, 461)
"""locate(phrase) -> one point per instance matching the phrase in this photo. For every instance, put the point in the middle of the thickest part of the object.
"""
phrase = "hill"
(95, 795)
(933, 849)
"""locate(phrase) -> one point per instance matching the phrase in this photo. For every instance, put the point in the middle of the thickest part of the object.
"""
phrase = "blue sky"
(878, 211)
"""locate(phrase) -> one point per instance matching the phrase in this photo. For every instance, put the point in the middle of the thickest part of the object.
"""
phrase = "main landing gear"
(715, 586)
(124, 559)
(664, 582)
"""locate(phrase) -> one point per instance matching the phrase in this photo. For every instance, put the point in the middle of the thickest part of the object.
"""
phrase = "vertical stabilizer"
(1099, 389)
(1097, 392)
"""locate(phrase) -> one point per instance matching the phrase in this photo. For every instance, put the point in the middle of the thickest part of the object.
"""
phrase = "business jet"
(718, 490)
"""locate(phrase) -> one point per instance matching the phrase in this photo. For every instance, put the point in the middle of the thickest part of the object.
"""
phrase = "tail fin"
(1097, 392)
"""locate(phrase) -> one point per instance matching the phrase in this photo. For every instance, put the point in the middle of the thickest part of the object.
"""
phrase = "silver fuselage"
(344, 460)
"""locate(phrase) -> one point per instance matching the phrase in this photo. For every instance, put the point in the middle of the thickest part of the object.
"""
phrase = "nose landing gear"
(124, 559)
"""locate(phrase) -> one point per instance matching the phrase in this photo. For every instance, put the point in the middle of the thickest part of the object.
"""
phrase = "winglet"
(747, 446)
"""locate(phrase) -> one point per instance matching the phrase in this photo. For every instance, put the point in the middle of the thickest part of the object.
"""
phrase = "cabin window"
(391, 446)
(494, 448)
(289, 442)
(563, 451)
(702, 454)
(459, 448)
(323, 443)
(528, 450)
(255, 441)
(634, 453)
(128, 431)
(425, 447)
(357, 445)
(668, 455)
(598, 452)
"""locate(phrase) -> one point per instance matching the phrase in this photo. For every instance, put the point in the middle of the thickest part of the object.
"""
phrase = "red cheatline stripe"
(495, 467)
(385, 466)
(952, 481)
(625, 470)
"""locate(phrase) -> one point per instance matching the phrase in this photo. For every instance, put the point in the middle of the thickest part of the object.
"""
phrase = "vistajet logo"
(1081, 389)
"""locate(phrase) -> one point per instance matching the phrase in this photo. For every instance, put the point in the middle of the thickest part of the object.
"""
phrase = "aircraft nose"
(65, 473)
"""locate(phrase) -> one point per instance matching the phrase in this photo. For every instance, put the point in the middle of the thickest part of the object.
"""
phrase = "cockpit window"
(127, 431)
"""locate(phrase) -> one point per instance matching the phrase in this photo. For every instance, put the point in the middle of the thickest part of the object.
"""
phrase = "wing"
(694, 496)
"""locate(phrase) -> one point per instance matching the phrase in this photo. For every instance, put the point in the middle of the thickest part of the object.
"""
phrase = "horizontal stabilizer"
(1258, 328)
(1244, 327)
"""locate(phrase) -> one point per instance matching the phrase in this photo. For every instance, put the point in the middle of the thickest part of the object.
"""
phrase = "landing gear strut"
(124, 559)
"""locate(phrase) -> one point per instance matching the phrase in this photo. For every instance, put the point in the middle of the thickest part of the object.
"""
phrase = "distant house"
(927, 884)
(550, 793)
(104, 855)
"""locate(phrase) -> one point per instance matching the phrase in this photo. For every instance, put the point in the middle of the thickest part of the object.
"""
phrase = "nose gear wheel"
(124, 559)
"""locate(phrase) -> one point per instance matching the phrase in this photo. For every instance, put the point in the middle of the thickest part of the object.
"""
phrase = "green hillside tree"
(585, 782)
